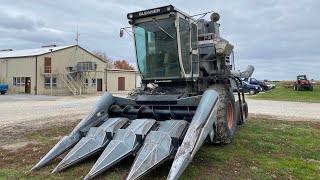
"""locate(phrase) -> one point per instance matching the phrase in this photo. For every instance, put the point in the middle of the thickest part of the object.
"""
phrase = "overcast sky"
(281, 38)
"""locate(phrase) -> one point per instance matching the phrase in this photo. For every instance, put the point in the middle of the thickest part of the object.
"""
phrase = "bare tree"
(102, 55)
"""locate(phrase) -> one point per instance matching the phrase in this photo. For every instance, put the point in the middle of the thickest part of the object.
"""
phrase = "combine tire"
(226, 115)
(244, 113)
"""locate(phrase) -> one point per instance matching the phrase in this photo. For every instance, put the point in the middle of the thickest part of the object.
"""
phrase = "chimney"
(46, 46)
(1, 50)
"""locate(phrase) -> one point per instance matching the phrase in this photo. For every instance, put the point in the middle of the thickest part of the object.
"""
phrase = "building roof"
(31, 52)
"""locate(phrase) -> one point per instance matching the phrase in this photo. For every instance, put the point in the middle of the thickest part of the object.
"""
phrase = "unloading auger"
(186, 99)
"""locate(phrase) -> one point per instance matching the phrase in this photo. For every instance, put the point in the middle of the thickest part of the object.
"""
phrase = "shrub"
(286, 84)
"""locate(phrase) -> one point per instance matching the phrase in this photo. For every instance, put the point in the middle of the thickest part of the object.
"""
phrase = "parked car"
(270, 86)
(262, 84)
(251, 88)
(3, 88)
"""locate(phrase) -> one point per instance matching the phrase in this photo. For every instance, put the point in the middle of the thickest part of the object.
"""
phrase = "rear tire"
(2, 92)
(226, 115)
(244, 113)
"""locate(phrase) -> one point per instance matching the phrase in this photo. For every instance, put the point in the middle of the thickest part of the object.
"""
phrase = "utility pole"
(51, 72)
(77, 37)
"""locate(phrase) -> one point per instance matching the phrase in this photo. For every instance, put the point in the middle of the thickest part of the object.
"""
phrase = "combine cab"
(302, 83)
(186, 99)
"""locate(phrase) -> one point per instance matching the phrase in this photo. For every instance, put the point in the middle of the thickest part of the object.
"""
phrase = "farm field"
(284, 92)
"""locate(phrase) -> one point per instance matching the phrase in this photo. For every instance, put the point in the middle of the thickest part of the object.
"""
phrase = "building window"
(22, 81)
(14, 81)
(93, 82)
(54, 82)
(48, 80)
(86, 82)
(18, 81)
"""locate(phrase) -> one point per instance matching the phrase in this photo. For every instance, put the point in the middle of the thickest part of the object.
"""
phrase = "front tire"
(298, 87)
(252, 92)
(226, 115)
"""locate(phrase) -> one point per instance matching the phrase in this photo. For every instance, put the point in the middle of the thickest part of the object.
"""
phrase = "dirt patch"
(311, 123)
(283, 118)
(16, 146)
(22, 156)
(57, 138)
(18, 130)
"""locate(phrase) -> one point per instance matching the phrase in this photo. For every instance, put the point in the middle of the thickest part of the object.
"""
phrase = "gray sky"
(279, 37)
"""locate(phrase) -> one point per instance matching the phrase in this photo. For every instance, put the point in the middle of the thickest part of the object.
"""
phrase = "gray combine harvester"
(186, 99)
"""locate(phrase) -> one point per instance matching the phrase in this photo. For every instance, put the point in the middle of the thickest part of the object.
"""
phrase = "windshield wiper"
(162, 28)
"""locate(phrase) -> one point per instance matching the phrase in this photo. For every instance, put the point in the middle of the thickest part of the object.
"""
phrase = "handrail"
(72, 81)
(72, 90)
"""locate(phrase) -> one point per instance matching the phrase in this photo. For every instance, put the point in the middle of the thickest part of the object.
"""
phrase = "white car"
(271, 86)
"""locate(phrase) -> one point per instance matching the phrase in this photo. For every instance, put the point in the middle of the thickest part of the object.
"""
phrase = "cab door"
(188, 46)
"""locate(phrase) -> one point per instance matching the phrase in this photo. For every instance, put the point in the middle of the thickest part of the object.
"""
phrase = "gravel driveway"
(285, 110)
(27, 108)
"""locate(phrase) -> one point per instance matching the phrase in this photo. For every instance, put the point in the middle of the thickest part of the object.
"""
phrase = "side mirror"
(121, 32)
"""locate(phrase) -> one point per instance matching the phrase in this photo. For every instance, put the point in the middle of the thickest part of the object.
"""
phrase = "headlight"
(257, 87)
(130, 16)
(168, 8)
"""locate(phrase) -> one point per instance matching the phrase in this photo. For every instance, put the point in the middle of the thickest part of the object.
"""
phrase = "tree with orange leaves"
(122, 64)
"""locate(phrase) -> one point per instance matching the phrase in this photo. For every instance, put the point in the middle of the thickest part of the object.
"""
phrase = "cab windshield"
(156, 46)
(302, 78)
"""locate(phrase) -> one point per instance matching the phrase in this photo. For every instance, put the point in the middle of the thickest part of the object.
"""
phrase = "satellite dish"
(121, 32)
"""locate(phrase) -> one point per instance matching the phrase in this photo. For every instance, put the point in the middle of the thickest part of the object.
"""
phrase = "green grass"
(288, 94)
(262, 149)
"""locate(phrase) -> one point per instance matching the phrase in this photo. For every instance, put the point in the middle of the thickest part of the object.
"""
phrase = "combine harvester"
(186, 99)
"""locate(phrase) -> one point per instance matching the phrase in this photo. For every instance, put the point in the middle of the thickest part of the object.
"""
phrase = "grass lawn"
(262, 149)
(288, 94)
